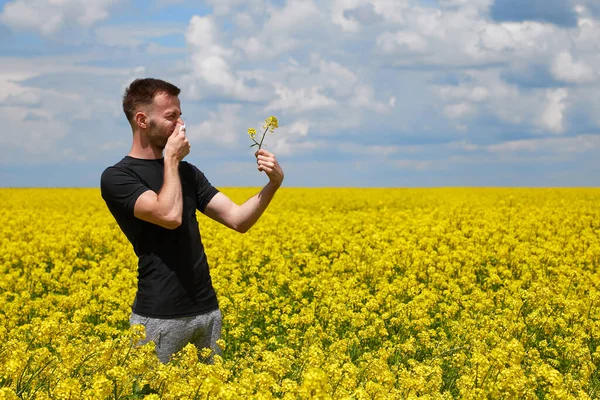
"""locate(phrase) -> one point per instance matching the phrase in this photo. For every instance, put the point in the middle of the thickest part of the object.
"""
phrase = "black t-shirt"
(173, 273)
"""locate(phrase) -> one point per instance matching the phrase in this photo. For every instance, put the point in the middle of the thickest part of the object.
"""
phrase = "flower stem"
(263, 137)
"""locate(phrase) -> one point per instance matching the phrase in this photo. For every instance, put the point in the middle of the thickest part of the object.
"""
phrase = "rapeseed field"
(335, 293)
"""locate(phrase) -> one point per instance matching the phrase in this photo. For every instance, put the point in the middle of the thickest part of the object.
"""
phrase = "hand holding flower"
(268, 164)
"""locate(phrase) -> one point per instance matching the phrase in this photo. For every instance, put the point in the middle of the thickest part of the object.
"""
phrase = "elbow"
(172, 223)
(242, 228)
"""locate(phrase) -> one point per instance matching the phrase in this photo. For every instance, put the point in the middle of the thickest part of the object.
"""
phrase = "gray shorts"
(172, 335)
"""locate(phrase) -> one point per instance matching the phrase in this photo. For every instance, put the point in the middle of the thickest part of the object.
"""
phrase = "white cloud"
(115, 144)
(402, 41)
(300, 100)
(18, 69)
(487, 93)
(50, 16)
(364, 98)
(338, 7)
(516, 37)
(204, 36)
(296, 15)
(244, 21)
(334, 72)
(254, 48)
(462, 34)
(284, 146)
(223, 127)
(566, 69)
(390, 10)
(299, 127)
(292, 139)
(324, 85)
(224, 7)
(30, 140)
(587, 34)
(463, 91)
(39, 118)
(163, 3)
(477, 4)
(552, 117)
(132, 35)
(373, 150)
(281, 30)
(571, 145)
(212, 68)
(460, 110)
(12, 94)
(335, 76)
(547, 150)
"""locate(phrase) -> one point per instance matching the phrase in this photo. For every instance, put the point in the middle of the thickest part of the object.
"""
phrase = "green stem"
(263, 137)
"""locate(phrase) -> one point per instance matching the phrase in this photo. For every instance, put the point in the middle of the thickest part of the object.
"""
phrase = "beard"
(155, 136)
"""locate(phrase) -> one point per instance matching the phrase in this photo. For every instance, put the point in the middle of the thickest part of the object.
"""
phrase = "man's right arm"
(165, 208)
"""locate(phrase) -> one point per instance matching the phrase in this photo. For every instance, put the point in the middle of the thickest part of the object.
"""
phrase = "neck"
(141, 148)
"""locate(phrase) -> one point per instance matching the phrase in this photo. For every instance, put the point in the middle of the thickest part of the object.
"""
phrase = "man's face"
(163, 116)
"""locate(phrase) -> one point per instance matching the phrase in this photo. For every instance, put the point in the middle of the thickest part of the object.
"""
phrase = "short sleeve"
(120, 189)
(204, 190)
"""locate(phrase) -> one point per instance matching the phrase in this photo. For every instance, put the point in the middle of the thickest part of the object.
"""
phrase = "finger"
(266, 162)
(264, 166)
(267, 159)
(263, 152)
(179, 129)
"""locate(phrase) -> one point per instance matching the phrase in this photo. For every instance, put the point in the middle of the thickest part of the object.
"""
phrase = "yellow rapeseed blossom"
(270, 124)
(370, 293)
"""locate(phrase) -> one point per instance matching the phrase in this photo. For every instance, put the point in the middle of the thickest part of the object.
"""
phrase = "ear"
(141, 119)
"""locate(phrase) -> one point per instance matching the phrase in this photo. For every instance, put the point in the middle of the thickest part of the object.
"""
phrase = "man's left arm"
(242, 217)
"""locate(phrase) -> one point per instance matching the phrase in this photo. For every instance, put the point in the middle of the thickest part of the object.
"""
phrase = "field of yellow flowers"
(335, 293)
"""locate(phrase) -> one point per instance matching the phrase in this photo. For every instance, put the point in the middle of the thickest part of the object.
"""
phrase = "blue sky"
(387, 93)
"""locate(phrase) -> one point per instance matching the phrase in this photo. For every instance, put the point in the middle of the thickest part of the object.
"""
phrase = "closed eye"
(172, 116)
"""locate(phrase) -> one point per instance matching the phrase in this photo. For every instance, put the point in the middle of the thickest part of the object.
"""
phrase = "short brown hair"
(141, 92)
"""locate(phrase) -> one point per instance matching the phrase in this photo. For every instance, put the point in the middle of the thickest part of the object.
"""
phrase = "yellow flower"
(272, 123)
(385, 297)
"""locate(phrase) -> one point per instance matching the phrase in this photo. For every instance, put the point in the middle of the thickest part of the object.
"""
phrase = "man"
(153, 195)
